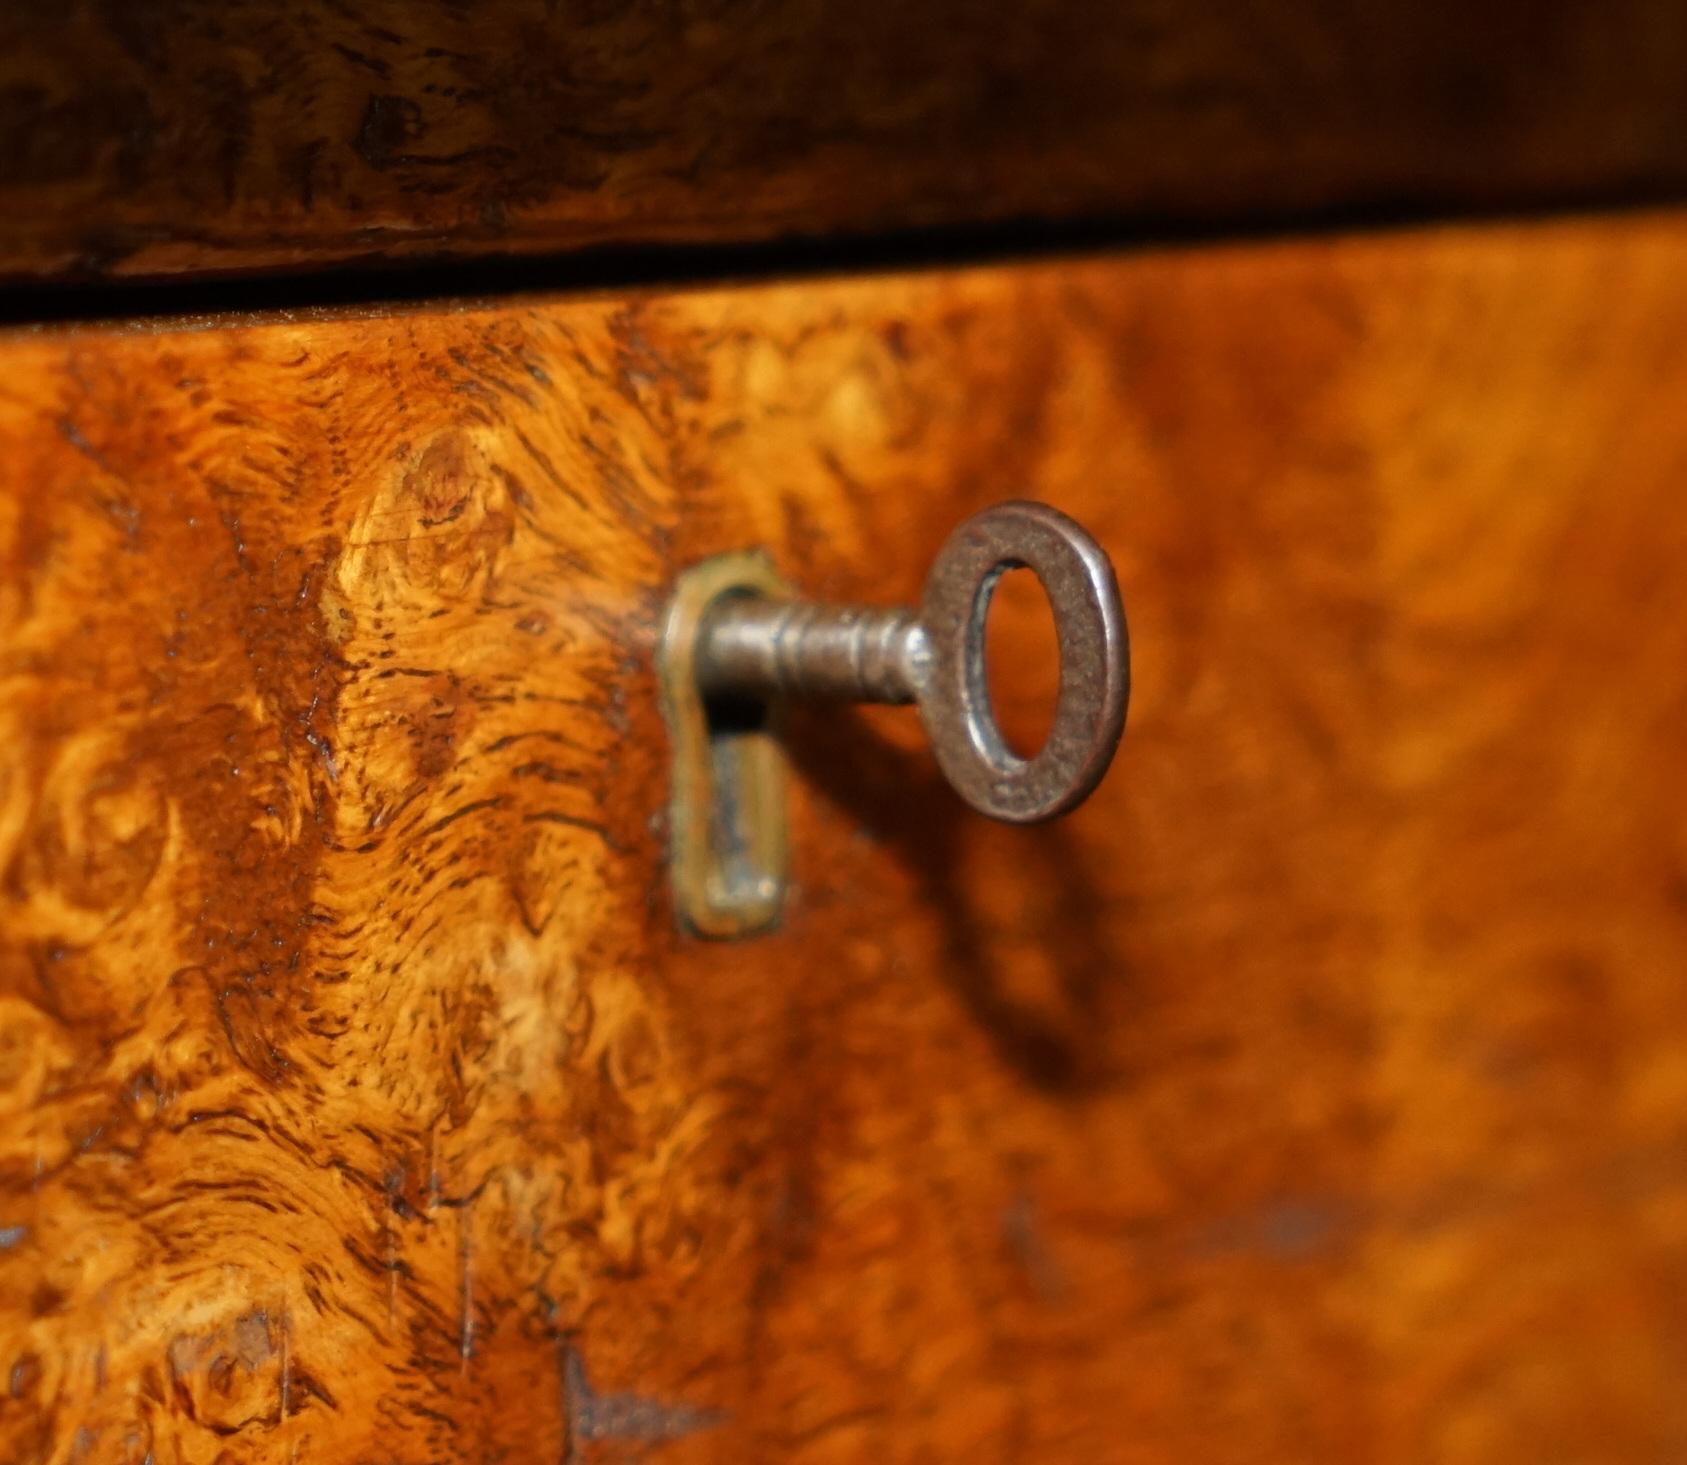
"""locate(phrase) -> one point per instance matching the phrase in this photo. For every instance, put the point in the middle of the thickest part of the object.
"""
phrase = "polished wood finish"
(1319, 1092)
(193, 137)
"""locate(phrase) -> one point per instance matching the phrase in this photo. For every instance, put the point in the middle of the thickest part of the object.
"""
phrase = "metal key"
(757, 646)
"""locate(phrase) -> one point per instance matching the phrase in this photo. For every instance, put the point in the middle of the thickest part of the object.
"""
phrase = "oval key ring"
(950, 686)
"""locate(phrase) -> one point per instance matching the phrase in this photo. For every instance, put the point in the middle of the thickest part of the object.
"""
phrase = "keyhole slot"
(727, 840)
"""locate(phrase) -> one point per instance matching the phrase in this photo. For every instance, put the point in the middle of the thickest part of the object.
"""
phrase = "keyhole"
(1021, 661)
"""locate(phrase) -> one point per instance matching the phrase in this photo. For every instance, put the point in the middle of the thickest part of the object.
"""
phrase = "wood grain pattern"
(197, 136)
(1318, 1093)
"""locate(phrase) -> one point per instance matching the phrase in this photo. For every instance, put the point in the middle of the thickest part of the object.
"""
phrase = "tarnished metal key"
(734, 636)
(934, 657)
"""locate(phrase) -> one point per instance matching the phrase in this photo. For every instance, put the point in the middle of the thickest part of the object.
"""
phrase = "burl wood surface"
(1319, 1092)
(150, 138)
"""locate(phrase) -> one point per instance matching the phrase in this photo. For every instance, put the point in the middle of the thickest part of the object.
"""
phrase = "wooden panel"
(1318, 1093)
(277, 134)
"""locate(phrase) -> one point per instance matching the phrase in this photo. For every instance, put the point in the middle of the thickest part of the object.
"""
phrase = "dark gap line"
(375, 285)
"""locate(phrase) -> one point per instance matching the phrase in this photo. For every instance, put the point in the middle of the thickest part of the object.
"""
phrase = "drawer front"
(1315, 1093)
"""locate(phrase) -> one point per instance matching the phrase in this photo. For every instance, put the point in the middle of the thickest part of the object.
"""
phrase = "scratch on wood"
(465, 1333)
(389, 1245)
(629, 1416)
(286, 1360)
(1022, 1233)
